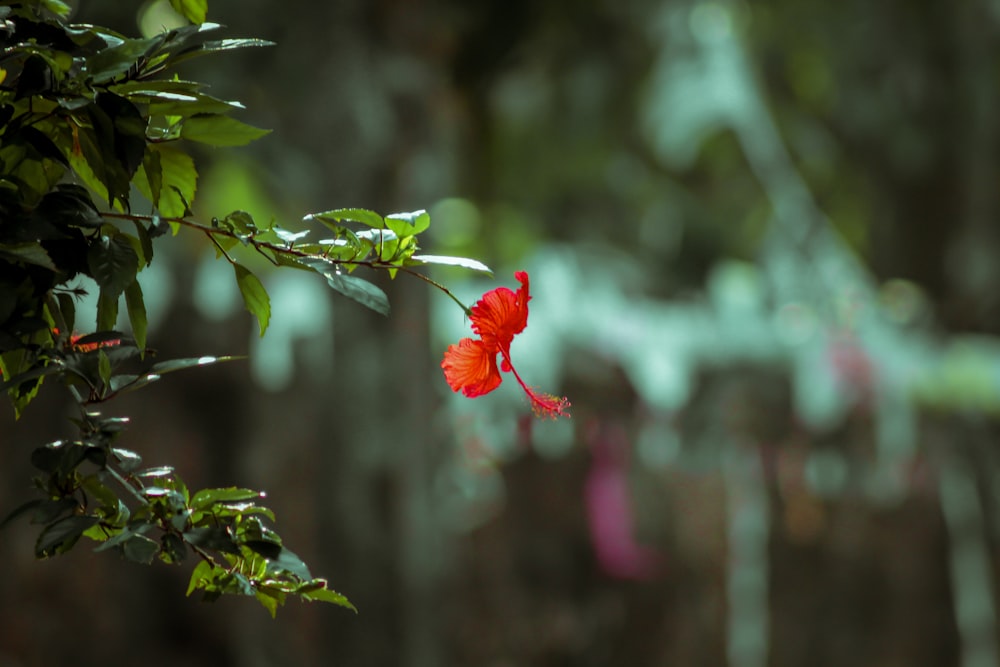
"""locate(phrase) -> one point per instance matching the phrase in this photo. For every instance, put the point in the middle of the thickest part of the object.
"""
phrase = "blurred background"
(764, 254)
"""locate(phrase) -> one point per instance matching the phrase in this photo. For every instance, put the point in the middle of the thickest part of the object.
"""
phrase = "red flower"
(471, 365)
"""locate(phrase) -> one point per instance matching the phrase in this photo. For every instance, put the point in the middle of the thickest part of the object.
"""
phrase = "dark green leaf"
(28, 253)
(360, 290)
(60, 536)
(20, 510)
(254, 296)
(287, 561)
(118, 59)
(107, 310)
(136, 313)
(140, 549)
(113, 263)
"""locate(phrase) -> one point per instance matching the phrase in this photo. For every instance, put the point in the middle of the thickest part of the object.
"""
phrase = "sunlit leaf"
(173, 189)
(364, 216)
(443, 260)
(218, 130)
(408, 224)
(206, 497)
(195, 11)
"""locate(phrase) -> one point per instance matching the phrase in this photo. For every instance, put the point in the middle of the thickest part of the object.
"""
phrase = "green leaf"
(172, 188)
(112, 262)
(57, 7)
(443, 260)
(408, 224)
(195, 11)
(218, 130)
(360, 290)
(317, 591)
(207, 497)
(270, 599)
(127, 459)
(29, 253)
(201, 574)
(364, 216)
(140, 549)
(104, 367)
(60, 536)
(107, 310)
(137, 314)
(287, 561)
(254, 296)
(116, 60)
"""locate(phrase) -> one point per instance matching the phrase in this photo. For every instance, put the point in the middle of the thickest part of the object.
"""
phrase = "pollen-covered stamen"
(542, 404)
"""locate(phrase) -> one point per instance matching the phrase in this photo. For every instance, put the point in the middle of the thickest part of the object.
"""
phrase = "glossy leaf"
(207, 497)
(364, 216)
(443, 260)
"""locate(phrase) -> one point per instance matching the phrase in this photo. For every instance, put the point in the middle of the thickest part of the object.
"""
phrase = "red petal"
(501, 314)
(471, 368)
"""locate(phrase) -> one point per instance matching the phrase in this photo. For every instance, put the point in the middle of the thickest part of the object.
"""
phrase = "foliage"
(88, 117)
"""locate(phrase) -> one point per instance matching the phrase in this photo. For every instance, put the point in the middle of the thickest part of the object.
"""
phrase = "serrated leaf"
(112, 262)
(362, 215)
(136, 306)
(408, 224)
(29, 253)
(218, 130)
(195, 11)
(443, 260)
(254, 296)
(317, 591)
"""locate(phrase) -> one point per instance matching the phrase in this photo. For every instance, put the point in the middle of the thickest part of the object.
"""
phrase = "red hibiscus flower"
(471, 365)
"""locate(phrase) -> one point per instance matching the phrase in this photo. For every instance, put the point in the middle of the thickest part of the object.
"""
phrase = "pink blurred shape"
(609, 508)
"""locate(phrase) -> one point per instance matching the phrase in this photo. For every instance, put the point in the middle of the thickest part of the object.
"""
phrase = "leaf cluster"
(93, 489)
